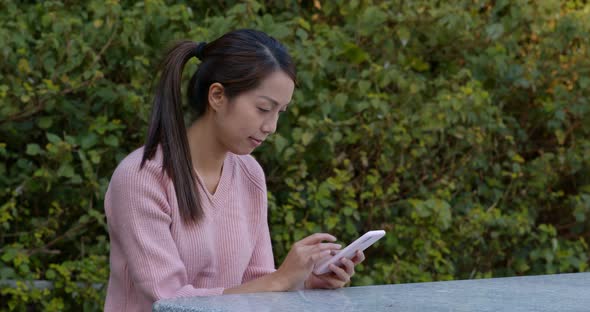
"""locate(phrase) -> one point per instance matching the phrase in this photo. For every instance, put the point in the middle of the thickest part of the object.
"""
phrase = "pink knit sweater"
(154, 255)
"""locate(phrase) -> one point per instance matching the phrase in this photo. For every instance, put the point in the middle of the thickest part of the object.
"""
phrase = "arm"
(139, 220)
(260, 275)
(262, 261)
(271, 282)
(295, 269)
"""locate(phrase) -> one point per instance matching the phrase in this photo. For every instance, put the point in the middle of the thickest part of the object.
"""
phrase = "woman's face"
(243, 123)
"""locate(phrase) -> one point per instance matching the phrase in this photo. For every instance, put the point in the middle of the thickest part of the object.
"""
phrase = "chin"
(241, 151)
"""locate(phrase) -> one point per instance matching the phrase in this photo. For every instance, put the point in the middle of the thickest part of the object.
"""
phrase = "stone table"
(559, 292)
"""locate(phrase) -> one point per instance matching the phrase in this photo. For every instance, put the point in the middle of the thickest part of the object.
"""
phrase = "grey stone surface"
(560, 292)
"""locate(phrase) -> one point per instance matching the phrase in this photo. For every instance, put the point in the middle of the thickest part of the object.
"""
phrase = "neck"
(207, 154)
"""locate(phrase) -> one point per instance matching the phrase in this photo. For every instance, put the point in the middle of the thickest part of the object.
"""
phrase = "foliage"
(460, 127)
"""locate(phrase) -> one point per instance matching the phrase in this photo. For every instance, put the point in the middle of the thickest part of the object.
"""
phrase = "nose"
(270, 125)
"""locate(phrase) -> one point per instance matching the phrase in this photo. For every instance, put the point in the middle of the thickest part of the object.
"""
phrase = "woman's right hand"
(302, 257)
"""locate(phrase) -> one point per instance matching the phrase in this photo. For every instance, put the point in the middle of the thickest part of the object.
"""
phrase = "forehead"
(278, 86)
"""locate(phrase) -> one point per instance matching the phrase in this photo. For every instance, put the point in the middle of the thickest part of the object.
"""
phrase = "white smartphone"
(360, 243)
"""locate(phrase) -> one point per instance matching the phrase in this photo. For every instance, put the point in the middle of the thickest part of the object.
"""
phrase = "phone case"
(360, 243)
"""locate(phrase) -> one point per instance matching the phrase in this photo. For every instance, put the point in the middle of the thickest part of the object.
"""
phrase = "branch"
(45, 249)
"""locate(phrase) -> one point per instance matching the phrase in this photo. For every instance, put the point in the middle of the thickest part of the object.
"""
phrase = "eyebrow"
(273, 101)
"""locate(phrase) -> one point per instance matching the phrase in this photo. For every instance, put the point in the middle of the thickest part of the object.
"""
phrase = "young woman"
(187, 212)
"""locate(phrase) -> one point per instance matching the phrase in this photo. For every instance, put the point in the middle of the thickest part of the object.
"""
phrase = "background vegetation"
(460, 127)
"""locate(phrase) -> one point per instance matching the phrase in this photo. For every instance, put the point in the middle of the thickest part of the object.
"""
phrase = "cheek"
(237, 124)
(234, 130)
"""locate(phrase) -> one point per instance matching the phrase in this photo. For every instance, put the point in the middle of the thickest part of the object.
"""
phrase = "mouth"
(255, 142)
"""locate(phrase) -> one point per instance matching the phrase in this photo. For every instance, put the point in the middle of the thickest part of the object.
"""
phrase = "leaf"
(50, 274)
(354, 53)
(89, 140)
(560, 135)
(10, 252)
(279, 142)
(371, 20)
(111, 140)
(289, 218)
(364, 86)
(45, 122)
(306, 138)
(495, 31)
(304, 24)
(65, 170)
(404, 35)
(53, 138)
(340, 99)
(24, 67)
(517, 158)
(33, 149)
(419, 64)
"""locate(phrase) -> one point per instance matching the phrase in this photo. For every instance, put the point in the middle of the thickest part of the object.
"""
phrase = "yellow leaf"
(517, 158)
(23, 66)
(560, 137)
(304, 24)
(50, 85)
(306, 138)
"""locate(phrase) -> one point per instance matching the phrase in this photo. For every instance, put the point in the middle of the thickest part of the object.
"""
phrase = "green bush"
(461, 128)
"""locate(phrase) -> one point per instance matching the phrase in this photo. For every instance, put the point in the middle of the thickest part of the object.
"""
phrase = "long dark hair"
(239, 60)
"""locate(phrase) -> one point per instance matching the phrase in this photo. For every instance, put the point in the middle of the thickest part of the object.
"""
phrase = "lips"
(255, 141)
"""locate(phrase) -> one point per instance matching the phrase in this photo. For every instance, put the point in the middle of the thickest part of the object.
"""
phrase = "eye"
(264, 110)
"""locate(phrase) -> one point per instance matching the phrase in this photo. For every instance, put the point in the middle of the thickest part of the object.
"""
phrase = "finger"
(331, 281)
(340, 273)
(316, 238)
(318, 248)
(359, 257)
(320, 251)
(326, 246)
(348, 266)
(320, 255)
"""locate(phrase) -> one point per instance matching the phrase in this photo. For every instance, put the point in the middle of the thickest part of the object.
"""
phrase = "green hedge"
(460, 127)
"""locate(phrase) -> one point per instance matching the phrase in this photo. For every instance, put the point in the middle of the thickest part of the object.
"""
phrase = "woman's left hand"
(339, 276)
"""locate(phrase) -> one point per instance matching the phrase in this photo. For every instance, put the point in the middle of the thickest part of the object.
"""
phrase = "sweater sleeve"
(138, 215)
(262, 261)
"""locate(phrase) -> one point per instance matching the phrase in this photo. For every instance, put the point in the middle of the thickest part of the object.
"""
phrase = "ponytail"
(167, 129)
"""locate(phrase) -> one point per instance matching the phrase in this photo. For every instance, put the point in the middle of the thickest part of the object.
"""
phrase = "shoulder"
(252, 169)
(130, 171)
(137, 197)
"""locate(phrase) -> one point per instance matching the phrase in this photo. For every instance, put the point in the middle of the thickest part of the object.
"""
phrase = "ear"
(216, 96)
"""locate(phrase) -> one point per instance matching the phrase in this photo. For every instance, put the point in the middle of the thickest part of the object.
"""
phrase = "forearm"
(295, 269)
(268, 283)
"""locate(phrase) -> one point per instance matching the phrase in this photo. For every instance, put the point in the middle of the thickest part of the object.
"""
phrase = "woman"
(187, 212)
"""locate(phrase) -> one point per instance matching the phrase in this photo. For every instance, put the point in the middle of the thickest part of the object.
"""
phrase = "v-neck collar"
(223, 183)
